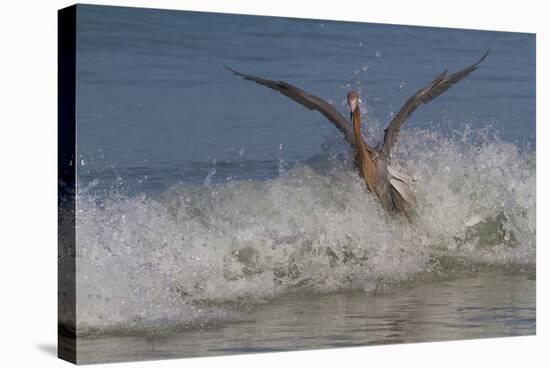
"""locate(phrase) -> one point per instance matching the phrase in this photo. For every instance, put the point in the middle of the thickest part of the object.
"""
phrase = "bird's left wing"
(310, 101)
(423, 96)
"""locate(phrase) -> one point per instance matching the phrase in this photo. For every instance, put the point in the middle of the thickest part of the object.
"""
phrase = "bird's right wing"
(310, 101)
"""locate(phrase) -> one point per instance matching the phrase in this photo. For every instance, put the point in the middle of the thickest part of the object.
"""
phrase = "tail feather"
(400, 182)
(404, 191)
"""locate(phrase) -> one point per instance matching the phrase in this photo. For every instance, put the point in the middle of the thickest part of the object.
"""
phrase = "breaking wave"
(192, 253)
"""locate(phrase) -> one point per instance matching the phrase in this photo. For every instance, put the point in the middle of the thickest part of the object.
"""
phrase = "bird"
(374, 163)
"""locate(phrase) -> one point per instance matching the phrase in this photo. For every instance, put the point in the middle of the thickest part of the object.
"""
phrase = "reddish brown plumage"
(391, 189)
(366, 161)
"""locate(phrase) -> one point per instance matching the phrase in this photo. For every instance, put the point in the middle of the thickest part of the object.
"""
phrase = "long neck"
(367, 165)
(356, 118)
(361, 145)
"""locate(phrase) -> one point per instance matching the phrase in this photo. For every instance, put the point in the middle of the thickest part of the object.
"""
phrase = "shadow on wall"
(50, 349)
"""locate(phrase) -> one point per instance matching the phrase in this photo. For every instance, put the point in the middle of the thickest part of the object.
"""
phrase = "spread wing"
(423, 96)
(310, 101)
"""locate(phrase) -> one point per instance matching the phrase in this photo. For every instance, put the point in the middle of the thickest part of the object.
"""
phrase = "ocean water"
(209, 207)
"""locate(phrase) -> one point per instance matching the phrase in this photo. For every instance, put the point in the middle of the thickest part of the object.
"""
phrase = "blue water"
(202, 196)
(157, 107)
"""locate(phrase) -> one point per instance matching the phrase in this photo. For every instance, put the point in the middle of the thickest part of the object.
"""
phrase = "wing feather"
(437, 87)
(310, 101)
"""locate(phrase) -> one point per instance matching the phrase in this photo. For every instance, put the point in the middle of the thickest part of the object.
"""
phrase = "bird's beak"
(350, 115)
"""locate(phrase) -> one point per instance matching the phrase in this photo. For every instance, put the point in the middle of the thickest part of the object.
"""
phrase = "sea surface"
(216, 216)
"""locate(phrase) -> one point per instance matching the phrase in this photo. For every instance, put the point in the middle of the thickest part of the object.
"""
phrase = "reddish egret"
(391, 187)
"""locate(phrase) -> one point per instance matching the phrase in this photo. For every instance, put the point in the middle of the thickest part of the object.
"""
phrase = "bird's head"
(353, 102)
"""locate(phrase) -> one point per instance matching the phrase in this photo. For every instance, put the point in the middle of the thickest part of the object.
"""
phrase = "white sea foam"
(181, 257)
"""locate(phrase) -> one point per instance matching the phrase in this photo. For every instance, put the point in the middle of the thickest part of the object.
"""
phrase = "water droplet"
(208, 179)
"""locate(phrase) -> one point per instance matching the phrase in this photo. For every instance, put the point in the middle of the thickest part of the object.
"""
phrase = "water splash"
(178, 257)
(211, 173)
(281, 165)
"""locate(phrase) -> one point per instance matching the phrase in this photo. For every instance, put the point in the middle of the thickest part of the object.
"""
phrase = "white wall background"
(28, 222)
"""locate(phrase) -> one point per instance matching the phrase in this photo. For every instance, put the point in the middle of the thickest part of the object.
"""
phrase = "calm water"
(216, 212)
(452, 309)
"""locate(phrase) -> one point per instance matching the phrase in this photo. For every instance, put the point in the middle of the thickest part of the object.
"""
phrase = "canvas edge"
(66, 134)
